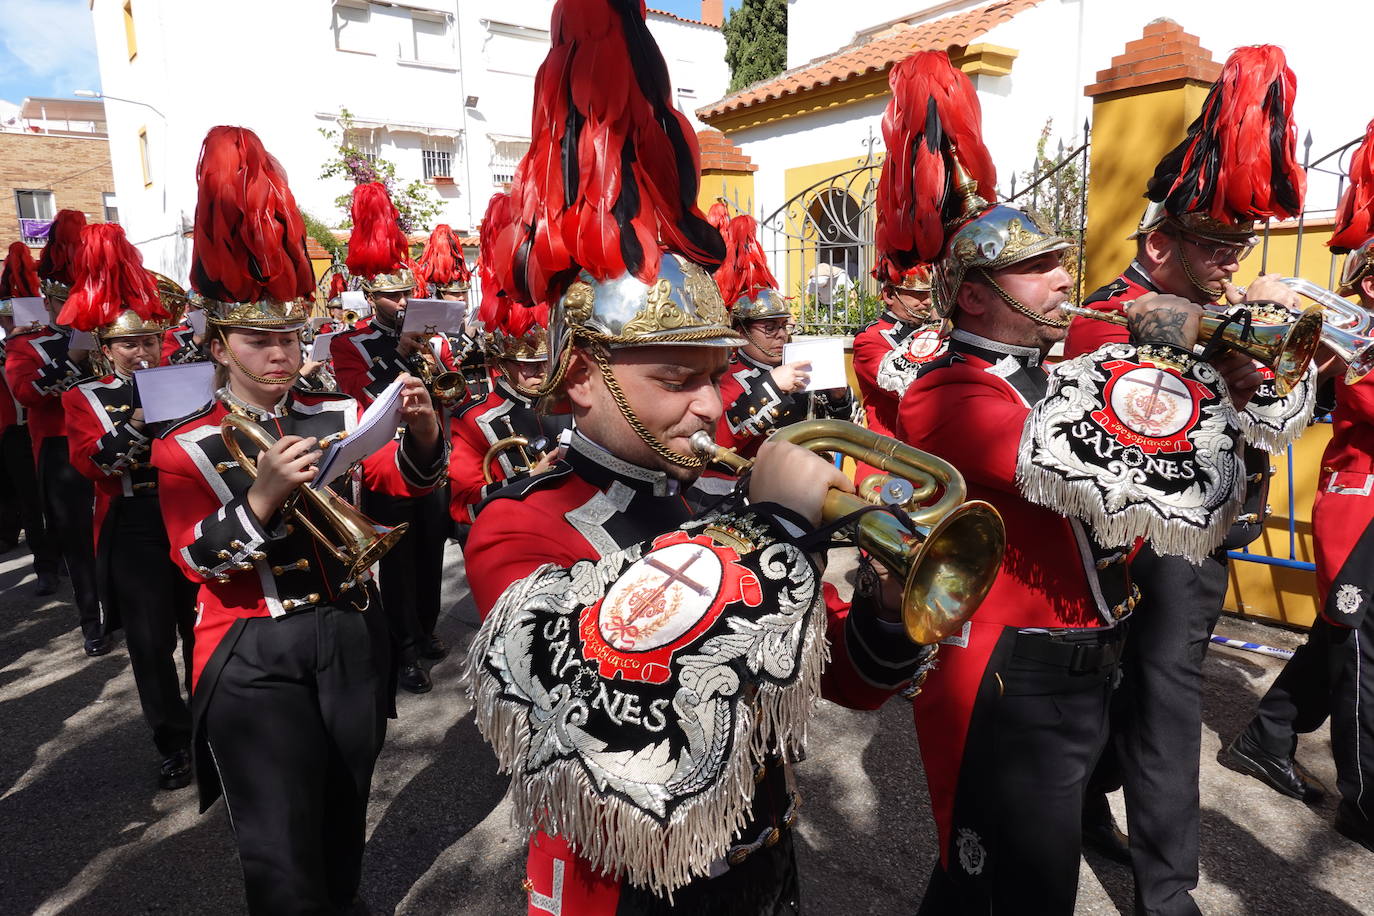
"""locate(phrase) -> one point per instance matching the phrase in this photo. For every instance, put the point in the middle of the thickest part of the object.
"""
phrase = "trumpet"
(1286, 348)
(1344, 327)
(447, 388)
(358, 541)
(950, 553)
(518, 444)
(350, 317)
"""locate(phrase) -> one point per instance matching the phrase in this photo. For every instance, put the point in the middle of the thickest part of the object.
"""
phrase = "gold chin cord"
(260, 379)
(1286, 347)
(358, 542)
(947, 558)
(683, 461)
(1017, 305)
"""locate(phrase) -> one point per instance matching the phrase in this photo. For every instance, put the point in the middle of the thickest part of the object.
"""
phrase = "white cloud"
(47, 47)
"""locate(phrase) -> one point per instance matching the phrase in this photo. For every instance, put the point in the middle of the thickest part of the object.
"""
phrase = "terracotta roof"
(874, 55)
(681, 18)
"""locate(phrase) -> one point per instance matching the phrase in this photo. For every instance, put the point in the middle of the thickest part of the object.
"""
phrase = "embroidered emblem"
(972, 855)
(1349, 598)
(899, 366)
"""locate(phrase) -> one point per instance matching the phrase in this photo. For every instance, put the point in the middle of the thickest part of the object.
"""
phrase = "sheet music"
(375, 429)
(826, 356)
(172, 392)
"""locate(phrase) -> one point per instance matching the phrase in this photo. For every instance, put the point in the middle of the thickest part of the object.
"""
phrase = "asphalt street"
(84, 828)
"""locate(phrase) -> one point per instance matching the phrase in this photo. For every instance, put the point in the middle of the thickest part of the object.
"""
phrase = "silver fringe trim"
(1274, 433)
(613, 837)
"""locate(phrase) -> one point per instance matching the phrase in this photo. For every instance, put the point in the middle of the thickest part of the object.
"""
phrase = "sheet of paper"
(81, 340)
(438, 316)
(170, 392)
(826, 356)
(375, 429)
(196, 320)
(355, 300)
(319, 348)
(28, 310)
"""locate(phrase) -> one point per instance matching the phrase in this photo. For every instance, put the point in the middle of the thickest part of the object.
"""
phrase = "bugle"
(445, 387)
(1286, 348)
(1344, 327)
(949, 555)
(358, 541)
(516, 444)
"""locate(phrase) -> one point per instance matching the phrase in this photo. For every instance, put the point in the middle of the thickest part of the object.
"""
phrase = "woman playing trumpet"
(291, 674)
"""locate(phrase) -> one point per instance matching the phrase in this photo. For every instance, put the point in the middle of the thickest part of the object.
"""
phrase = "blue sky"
(690, 9)
(47, 48)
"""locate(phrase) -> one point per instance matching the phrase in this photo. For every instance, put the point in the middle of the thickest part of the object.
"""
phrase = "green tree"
(415, 203)
(756, 41)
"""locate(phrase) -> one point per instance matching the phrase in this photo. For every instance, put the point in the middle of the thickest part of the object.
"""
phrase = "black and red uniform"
(592, 504)
(179, 345)
(1157, 714)
(471, 358)
(290, 684)
(1014, 715)
(20, 505)
(888, 353)
(138, 582)
(38, 372)
(366, 361)
(479, 424)
(1333, 672)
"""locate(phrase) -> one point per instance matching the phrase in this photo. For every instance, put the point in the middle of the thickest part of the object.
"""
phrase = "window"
(351, 27)
(506, 153)
(129, 38)
(431, 41)
(437, 161)
(35, 210)
(364, 142)
(144, 157)
(111, 205)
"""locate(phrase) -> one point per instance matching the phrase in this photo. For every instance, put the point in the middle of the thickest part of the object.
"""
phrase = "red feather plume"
(719, 216)
(337, 285)
(613, 168)
(498, 311)
(1239, 159)
(745, 269)
(58, 261)
(110, 279)
(19, 278)
(442, 261)
(249, 235)
(377, 244)
(1355, 215)
(933, 113)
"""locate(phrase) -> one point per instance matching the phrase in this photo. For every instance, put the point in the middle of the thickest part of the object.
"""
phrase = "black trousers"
(1037, 729)
(1156, 746)
(20, 503)
(1299, 700)
(69, 511)
(157, 603)
(294, 723)
(411, 573)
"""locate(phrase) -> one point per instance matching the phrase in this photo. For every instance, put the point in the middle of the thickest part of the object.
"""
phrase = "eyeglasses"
(772, 328)
(1219, 252)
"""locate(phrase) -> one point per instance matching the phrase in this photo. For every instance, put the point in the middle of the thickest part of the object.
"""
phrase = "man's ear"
(971, 298)
(581, 379)
(1155, 247)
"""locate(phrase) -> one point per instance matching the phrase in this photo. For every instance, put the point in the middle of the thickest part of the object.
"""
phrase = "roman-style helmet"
(441, 264)
(936, 184)
(114, 295)
(378, 253)
(57, 264)
(249, 260)
(606, 226)
(1353, 234)
(747, 286)
(18, 278)
(1237, 163)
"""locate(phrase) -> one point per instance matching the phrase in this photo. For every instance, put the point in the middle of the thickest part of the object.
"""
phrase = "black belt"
(1079, 651)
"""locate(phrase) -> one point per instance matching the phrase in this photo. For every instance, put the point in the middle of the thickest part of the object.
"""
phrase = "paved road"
(83, 828)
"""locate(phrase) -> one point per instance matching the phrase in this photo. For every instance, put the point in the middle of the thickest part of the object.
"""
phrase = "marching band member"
(1014, 716)
(19, 279)
(180, 343)
(39, 367)
(366, 361)
(443, 266)
(291, 656)
(128, 311)
(890, 350)
(1333, 672)
(517, 340)
(674, 700)
(1186, 246)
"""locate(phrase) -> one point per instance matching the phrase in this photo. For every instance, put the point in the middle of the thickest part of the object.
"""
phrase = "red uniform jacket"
(969, 408)
(476, 426)
(245, 568)
(366, 361)
(104, 446)
(592, 504)
(38, 371)
(1343, 509)
(179, 345)
(888, 352)
(11, 412)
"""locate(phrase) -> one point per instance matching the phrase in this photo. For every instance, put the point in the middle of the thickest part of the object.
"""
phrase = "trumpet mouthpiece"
(703, 444)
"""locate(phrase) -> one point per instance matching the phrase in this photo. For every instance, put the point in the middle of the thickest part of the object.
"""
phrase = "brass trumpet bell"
(358, 541)
(513, 443)
(950, 556)
(1355, 350)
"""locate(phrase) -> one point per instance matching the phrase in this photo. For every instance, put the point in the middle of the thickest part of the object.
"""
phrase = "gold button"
(773, 836)
(738, 856)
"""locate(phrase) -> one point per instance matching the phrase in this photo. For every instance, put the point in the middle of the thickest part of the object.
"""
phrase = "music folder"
(172, 392)
(375, 429)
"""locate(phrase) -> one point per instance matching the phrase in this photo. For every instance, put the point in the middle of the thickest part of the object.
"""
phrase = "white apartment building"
(441, 88)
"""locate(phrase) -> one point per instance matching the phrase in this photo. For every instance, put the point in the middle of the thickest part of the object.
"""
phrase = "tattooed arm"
(1163, 319)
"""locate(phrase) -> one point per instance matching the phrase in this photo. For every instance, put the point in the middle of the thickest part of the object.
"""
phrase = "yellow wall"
(735, 187)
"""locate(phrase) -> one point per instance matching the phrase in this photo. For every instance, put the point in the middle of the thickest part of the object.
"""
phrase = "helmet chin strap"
(690, 462)
(1017, 305)
(260, 379)
(1192, 276)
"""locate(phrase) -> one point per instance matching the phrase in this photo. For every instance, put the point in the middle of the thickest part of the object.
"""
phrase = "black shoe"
(98, 645)
(434, 649)
(176, 771)
(1100, 833)
(415, 679)
(1353, 825)
(47, 585)
(1284, 775)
